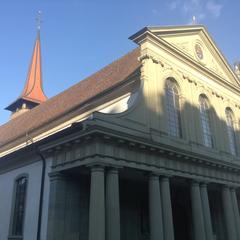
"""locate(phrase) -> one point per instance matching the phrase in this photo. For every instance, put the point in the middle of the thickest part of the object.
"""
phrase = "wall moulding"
(155, 59)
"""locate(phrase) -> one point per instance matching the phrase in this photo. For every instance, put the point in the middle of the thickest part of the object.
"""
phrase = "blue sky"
(81, 36)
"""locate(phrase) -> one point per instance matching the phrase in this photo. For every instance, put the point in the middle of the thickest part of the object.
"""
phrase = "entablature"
(101, 145)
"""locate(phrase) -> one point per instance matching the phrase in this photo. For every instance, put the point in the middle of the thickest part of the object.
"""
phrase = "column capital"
(195, 182)
(227, 187)
(165, 177)
(201, 183)
(233, 189)
(153, 176)
(204, 183)
(160, 175)
(56, 176)
(113, 168)
(96, 167)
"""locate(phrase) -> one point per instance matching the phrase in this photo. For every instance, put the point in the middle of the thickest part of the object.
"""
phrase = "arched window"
(230, 130)
(20, 192)
(173, 108)
(205, 121)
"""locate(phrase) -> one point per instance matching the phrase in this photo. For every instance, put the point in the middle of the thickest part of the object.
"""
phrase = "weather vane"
(38, 19)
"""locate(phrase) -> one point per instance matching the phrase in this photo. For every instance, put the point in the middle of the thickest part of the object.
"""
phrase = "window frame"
(232, 141)
(205, 121)
(174, 119)
(11, 235)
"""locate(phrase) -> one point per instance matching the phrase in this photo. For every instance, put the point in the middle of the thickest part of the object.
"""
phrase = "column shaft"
(206, 212)
(198, 222)
(167, 209)
(112, 205)
(97, 204)
(228, 214)
(56, 213)
(155, 209)
(236, 212)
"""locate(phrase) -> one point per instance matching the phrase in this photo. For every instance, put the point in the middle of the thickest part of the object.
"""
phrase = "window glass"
(205, 122)
(230, 131)
(19, 206)
(173, 108)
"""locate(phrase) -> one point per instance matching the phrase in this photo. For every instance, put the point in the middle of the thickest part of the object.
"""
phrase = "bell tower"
(33, 93)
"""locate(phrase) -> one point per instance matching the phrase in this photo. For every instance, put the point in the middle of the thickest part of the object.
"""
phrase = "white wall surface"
(7, 179)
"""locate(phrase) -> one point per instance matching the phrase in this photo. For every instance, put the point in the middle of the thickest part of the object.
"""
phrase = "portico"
(133, 200)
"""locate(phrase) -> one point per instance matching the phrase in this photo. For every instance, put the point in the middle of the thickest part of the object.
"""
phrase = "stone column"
(97, 204)
(228, 213)
(155, 208)
(197, 213)
(206, 212)
(56, 213)
(236, 212)
(168, 229)
(112, 205)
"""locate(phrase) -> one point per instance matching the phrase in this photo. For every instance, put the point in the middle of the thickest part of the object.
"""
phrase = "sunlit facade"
(145, 149)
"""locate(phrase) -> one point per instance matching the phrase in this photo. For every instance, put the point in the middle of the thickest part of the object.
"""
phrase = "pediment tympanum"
(195, 42)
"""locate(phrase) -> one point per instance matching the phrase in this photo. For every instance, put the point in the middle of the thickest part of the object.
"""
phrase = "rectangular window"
(20, 191)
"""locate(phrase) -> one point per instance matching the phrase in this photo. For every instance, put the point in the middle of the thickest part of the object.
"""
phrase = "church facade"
(145, 149)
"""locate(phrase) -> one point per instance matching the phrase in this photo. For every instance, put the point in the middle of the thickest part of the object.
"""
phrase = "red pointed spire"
(32, 94)
(33, 90)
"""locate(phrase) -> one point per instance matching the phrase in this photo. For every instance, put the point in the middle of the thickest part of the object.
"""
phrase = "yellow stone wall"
(159, 63)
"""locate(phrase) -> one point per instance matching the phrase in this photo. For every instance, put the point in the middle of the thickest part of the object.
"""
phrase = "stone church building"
(147, 148)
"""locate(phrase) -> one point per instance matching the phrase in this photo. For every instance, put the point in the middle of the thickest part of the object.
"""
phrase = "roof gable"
(195, 42)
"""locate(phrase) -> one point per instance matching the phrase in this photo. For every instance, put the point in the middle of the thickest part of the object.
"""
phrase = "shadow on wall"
(199, 127)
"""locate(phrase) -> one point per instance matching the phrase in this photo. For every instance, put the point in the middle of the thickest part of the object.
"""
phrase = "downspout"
(40, 210)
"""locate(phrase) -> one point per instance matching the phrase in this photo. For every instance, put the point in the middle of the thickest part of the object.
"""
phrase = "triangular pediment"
(195, 42)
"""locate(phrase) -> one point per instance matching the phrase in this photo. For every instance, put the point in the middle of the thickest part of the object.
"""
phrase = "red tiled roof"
(40, 117)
